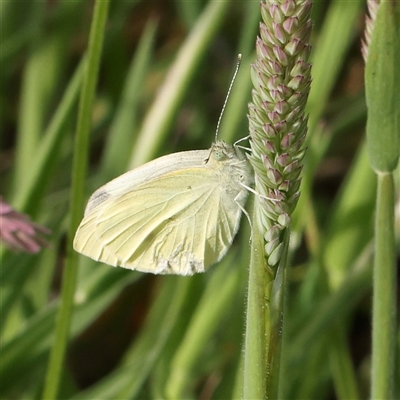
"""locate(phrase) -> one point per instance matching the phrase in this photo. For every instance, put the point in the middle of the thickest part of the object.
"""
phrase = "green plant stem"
(264, 323)
(275, 323)
(77, 190)
(255, 348)
(384, 292)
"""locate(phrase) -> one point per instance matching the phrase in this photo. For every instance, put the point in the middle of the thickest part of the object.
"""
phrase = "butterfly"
(177, 214)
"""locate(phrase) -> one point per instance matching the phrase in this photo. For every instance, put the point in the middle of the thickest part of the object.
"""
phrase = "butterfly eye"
(219, 154)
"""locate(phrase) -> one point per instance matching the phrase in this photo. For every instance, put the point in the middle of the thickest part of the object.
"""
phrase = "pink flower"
(18, 232)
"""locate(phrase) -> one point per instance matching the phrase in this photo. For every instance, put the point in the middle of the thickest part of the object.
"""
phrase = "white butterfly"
(177, 214)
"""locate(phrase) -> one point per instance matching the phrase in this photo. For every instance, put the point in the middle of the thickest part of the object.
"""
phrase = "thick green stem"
(384, 292)
(275, 322)
(255, 352)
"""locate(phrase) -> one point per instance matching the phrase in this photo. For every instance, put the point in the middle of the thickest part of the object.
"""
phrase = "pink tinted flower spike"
(18, 232)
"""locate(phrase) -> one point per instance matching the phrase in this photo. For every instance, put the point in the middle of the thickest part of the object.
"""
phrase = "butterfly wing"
(178, 222)
(147, 172)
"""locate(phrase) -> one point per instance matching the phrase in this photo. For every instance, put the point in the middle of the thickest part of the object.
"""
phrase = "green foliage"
(140, 336)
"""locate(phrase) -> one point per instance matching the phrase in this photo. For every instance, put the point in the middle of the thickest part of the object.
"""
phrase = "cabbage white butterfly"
(177, 214)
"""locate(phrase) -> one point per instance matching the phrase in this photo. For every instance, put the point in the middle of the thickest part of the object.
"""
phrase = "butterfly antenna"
(227, 95)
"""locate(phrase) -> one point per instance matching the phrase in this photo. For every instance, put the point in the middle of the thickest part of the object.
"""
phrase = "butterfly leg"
(241, 140)
(243, 210)
(256, 193)
(242, 147)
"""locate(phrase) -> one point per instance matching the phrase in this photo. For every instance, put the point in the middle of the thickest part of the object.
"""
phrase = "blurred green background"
(164, 74)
